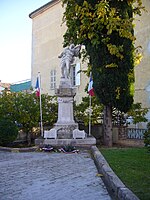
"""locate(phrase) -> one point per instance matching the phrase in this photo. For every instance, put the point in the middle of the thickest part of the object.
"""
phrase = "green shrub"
(8, 132)
(147, 137)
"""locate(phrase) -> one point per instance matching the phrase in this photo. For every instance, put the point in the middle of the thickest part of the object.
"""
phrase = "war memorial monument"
(66, 130)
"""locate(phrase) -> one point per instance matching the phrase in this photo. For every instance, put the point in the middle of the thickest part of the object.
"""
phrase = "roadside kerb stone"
(113, 183)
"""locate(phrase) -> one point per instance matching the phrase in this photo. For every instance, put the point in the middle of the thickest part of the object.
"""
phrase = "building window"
(53, 79)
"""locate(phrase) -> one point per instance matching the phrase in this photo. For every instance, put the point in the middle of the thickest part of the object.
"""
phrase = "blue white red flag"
(90, 87)
(37, 87)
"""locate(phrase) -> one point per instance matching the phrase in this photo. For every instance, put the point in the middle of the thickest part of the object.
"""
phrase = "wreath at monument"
(64, 149)
(69, 149)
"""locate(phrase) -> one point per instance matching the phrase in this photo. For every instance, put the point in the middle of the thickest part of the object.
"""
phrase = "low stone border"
(9, 149)
(114, 184)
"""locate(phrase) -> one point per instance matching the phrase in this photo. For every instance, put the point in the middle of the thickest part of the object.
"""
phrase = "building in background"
(4, 86)
(47, 42)
(142, 71)
(21, 86)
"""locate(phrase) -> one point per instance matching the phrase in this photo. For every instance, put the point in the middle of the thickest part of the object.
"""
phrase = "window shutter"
(77, 75)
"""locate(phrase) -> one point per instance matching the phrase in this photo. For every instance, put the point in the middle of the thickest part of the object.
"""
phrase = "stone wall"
(131, 143)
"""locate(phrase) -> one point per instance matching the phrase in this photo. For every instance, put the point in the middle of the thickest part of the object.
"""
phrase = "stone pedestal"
(65, 123)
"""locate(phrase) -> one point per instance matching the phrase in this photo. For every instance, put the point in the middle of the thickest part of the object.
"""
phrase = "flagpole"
(41, 119)
(90, 102)
(91, 93)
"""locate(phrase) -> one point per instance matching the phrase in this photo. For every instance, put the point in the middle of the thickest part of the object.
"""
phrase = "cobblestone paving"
(47, 176)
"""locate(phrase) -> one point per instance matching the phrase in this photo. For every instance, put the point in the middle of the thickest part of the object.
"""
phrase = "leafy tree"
(49, 109)
(105, 28)
(119, 118)
(26, 112)
(137, 113)
(6, 105)
(82, 111)
(23, 109)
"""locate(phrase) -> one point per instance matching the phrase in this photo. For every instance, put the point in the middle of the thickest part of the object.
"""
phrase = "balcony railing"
(134, 133)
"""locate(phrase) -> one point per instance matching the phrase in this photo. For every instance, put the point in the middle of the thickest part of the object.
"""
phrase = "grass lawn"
(132, 166)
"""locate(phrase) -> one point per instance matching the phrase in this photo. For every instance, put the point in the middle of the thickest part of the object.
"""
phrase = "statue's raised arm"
(67, 58)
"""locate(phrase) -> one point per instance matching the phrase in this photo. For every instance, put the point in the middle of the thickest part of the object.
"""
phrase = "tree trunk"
(29, 138)
(107, 123)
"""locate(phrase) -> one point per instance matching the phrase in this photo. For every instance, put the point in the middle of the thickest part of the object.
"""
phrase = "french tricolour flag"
(90, 87)
(37, 87)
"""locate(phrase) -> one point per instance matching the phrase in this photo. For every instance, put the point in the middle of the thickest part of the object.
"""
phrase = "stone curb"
(115, 186)
(9, 149)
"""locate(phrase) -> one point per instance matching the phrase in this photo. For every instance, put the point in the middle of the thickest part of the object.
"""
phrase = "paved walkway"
(47, 176)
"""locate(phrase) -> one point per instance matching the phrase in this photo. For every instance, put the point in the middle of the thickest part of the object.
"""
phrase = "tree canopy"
(105, 27)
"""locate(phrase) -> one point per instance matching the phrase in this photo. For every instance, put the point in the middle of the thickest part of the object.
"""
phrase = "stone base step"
(87, 142)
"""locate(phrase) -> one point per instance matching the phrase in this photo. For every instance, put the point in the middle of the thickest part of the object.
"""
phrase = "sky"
(16, 38)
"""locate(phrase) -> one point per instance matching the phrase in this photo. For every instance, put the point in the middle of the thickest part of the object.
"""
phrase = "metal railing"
(134, 133)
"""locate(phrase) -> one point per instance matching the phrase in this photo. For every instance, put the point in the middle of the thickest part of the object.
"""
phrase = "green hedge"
(8, 132)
